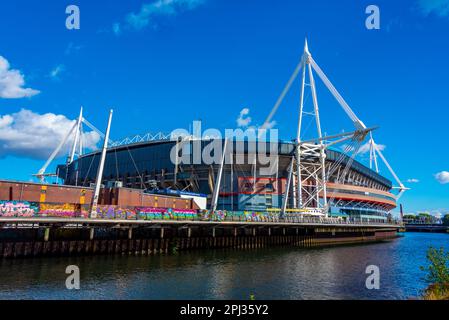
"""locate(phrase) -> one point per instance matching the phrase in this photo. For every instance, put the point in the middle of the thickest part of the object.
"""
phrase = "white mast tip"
(306, 47)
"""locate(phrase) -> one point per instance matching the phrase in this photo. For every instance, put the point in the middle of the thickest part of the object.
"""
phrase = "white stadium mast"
(308, 166)
(75, 133)
(374, 149)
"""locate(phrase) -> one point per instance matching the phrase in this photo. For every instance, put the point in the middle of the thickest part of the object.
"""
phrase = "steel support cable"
(347, 167)
(387, 164)
(116, 165)
(80, 146)
(402, 188)
(283, 94)
(347, 148)
(340, 160)
(90, 125)
(88, 170)
(56, 151)
(351, 159)
(337, 95)
(341, 157)
(135, 167)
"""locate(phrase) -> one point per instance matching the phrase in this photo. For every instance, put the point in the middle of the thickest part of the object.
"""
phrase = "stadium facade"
(352, 188)
(304, 176)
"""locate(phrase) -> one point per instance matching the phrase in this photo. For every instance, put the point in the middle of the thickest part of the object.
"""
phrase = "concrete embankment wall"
(52, 241)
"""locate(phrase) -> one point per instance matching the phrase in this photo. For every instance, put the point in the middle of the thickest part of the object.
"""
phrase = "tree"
(446, 220)
(425, 217)
(437, 272)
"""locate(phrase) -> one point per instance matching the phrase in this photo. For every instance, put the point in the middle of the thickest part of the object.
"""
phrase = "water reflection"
(326, 273)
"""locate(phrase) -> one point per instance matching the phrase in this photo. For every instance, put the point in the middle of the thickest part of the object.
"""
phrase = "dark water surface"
(287, 273)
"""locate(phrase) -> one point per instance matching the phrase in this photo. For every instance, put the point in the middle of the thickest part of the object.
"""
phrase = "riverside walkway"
(55, 236)
(233, 221)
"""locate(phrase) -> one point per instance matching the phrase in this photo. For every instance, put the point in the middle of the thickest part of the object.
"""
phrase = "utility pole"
(93, 212)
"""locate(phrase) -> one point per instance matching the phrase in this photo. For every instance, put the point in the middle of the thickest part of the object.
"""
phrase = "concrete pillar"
(269, 231)
(162, 233)
(235, 232)
(254, 232)
(213, 232)
(189, 232)
(130, 233)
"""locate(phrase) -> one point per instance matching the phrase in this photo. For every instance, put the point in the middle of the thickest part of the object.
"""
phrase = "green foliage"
(424, 214)
(426, 217)
(409, 216)
(252, 297)
(446, 220)
(437, 271)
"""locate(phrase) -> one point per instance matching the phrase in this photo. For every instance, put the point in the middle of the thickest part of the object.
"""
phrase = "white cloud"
(412, 180)
(12, 82)
(148, 11)
(116, 28)
(442, 177)
(364, 148)
(243, 120)
(33, 135)
(71, 47)
(56, 71)
(438, 7)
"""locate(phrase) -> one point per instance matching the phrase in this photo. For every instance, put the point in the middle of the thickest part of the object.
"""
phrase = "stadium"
(312, 174)
(361, 192)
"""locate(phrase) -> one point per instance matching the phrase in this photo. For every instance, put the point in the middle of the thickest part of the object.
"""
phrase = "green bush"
(437, 273)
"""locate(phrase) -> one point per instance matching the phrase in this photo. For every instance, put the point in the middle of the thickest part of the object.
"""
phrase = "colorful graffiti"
(150, 213)
(115, 212)
(252, 216)
(218, 215)
(64, 210)
(260, 216)
(68, 210)
(18, 209)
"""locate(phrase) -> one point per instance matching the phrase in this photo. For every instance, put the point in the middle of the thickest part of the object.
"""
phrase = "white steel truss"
(374, 151)
(309, 168)
(76, 149)
(142, 138)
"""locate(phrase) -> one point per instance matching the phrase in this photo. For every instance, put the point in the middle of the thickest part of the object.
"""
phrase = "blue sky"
(163, 64)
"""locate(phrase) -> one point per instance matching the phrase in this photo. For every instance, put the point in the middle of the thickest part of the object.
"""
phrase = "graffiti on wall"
(68, 210)
(62, 210)
(150, 213)
(18, 209)
(218, 215)
(115, 212)
(253, 216)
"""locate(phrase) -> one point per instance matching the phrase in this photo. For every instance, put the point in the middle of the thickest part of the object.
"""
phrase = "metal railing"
(130, 213)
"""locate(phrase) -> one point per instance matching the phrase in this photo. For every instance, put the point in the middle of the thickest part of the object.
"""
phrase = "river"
(274, 273)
